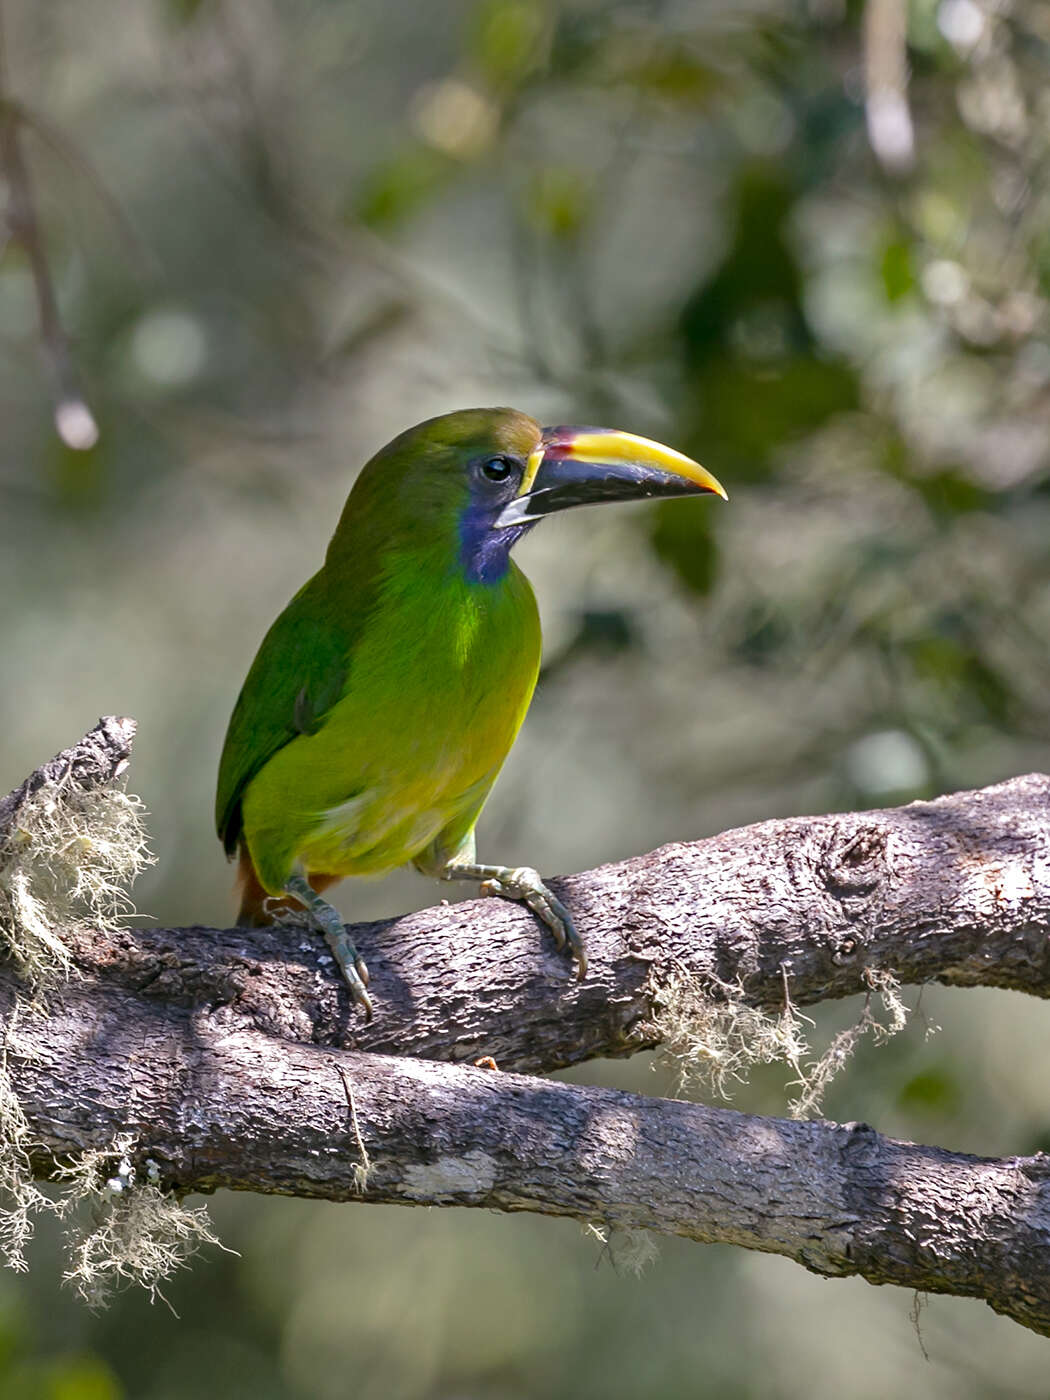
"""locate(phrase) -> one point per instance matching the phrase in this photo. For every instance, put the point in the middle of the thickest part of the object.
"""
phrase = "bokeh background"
(807, 242)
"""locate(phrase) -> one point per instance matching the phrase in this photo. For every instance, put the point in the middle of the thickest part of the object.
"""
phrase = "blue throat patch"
(484, 552)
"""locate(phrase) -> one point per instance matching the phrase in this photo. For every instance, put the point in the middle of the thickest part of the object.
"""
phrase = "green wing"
(300, 672)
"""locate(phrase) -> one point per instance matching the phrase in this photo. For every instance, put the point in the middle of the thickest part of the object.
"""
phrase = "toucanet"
(385, 698)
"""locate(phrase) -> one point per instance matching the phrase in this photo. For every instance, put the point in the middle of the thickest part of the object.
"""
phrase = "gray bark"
(217, 1104)
(232, 1057)
(94, 761)
(956, 891)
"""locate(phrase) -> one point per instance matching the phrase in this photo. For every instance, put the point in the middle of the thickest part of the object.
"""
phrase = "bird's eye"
(497, 469)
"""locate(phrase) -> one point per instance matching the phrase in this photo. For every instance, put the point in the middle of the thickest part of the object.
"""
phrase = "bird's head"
(492, 473)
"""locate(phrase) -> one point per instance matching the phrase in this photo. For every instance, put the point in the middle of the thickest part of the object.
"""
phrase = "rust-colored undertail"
(259, 908)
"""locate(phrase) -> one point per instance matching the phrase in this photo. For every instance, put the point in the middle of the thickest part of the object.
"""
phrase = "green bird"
(385, 698)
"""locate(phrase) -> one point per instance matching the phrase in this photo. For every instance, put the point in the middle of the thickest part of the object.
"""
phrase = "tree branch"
(218, 1105)
(95, 761)
(74, 421)
(956, 891)
(227, 1054)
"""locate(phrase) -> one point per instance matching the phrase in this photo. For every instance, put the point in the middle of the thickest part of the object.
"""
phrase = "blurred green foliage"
(282, 230)
(71, 1376)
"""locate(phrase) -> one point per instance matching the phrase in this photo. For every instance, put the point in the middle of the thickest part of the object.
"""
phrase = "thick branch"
(225, 1053)
(218, 1105)
(956, 890)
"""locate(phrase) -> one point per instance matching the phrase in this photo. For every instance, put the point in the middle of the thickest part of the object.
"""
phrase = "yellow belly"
(381, 830)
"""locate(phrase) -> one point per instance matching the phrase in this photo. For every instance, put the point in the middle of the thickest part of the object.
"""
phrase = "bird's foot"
(349, 961)
(524, 885)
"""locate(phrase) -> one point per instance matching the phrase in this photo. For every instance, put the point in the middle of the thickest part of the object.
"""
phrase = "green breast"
(437, 686)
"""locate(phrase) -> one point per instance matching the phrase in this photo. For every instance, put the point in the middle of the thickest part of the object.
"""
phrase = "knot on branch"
(853, 863)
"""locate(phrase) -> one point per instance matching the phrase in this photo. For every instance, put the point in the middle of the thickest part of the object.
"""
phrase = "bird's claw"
(349, 961)
(352, 966)
(358, 994)
(526, 886)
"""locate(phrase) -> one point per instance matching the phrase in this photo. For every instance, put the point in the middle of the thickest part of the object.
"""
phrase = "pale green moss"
(627, 1250)
(71, 857)
(712, 1037)
(124, 1230)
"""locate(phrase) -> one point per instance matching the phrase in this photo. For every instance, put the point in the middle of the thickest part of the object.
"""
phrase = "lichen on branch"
(70, 857)
(753, 923)
(72, 842)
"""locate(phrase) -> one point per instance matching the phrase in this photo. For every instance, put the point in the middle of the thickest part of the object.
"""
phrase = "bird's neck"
(425, 606)
(484, 552)
(464, 543)
(400, 569)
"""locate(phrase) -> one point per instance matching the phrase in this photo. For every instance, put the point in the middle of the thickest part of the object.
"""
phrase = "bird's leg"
(351, 963)
(523, 884)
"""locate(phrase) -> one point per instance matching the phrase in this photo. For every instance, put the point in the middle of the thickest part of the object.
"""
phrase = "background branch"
(74, 421)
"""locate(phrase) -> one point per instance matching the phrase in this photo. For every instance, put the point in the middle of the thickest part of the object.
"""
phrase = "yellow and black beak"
(582, 466)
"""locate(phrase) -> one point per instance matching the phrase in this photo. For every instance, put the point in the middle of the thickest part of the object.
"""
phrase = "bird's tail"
(259, 908)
